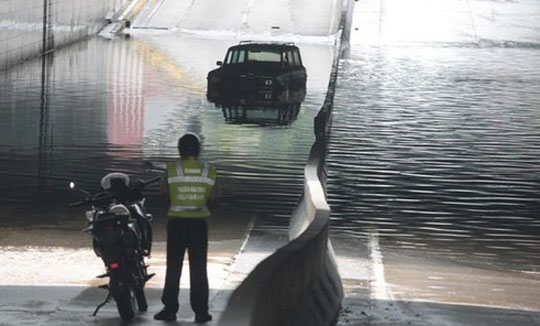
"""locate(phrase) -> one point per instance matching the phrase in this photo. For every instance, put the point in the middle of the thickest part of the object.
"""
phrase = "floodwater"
(106, 105)
(435, 142)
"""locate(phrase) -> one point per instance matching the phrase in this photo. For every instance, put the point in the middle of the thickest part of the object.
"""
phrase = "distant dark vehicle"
(257, 73)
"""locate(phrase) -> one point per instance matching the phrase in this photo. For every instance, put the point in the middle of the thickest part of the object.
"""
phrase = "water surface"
(435, 144)
(106, 105)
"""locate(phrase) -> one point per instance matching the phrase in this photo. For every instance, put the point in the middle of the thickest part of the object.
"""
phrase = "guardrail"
(299, 284)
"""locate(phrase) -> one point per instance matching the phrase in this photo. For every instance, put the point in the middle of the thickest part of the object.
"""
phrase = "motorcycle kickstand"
(107, 299)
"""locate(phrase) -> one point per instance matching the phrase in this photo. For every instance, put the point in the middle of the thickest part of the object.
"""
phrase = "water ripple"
(441, 144)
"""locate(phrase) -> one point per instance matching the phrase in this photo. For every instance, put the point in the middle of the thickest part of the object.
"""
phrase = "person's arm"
(164, 190)
(215, 192)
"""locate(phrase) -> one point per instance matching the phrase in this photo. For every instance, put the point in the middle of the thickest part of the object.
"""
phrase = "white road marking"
(380, 289)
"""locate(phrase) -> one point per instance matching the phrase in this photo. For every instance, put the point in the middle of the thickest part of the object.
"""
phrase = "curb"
(122, 18)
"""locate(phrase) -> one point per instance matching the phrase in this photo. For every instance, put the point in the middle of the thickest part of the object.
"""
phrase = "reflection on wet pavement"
(103, 106)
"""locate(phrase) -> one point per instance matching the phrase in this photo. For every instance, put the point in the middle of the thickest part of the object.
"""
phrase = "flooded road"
(103, 106)
(440, 150)
(106, 105)
(433, 157)
(437, 145)
(433, 161)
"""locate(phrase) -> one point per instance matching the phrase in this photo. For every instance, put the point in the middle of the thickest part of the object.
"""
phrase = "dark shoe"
(199, 319)
(165, 315)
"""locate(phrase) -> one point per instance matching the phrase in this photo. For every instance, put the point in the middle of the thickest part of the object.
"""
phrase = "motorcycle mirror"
(89, 216)
(73, 186)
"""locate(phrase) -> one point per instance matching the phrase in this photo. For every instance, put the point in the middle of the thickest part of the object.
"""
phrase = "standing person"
(188, 188)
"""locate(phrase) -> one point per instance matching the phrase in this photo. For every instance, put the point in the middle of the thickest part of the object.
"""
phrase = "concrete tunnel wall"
(29, 28)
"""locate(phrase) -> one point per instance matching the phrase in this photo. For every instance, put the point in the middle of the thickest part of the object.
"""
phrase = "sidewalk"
(48, 275)
(355, 270)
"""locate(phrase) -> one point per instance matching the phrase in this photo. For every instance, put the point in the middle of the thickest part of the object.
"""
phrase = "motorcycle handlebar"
(99, 197)
(153, 180)
(77, 203)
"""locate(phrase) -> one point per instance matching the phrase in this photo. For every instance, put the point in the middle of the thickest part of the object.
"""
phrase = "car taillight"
(113, 265)
(108, 225)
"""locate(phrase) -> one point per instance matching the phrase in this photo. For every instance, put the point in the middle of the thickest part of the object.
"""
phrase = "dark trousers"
(190, 234)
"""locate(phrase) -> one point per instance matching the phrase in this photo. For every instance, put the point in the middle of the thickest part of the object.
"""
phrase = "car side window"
(297, 59)
(241, 56)
(285, 59)
(235, 56)
(228, 58)
(292, 59)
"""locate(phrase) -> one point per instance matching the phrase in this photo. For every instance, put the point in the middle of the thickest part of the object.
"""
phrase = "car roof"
(264, 45)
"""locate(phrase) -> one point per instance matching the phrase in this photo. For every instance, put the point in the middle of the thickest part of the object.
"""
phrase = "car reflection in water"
(283, 110)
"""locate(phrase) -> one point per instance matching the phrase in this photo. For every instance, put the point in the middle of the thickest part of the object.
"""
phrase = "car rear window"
(265, 56)
(253, 55)
(289, 57)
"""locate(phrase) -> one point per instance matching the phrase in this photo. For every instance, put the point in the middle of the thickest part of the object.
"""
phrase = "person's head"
(189, 145)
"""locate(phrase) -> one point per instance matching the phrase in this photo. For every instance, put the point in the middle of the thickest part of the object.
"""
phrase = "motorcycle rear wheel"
(125, 302)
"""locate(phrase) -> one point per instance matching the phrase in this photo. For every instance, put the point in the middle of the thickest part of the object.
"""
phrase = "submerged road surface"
(433, 166)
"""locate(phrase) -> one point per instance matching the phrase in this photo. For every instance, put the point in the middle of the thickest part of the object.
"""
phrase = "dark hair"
(189, 145)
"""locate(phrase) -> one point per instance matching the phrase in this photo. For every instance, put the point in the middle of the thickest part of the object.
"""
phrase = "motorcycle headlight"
(90, 215)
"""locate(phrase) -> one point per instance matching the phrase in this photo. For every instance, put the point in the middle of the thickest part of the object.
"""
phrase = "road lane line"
(379, 287)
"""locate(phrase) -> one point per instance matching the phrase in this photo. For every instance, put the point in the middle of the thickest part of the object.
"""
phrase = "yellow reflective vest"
(190, 185)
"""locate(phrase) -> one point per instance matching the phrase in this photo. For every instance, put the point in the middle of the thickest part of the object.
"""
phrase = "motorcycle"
(121, 232)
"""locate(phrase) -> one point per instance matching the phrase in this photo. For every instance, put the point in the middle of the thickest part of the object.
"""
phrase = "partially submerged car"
(258, 73)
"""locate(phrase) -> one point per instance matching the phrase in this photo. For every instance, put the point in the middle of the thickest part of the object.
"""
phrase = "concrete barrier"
(299, 284)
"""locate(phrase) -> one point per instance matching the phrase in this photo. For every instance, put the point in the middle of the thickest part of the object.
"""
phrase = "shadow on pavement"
(66, 305)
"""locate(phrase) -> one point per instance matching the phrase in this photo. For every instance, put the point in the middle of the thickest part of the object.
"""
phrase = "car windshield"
(252, 55)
